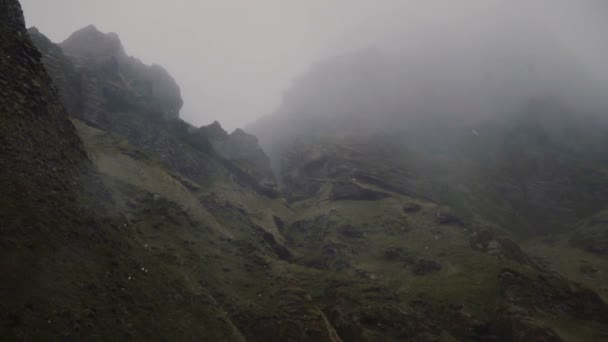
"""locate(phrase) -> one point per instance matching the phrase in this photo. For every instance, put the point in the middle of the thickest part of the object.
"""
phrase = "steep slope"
(73, 259)
(173, 221)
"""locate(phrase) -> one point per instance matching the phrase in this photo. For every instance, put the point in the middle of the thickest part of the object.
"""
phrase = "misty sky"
(234, 59)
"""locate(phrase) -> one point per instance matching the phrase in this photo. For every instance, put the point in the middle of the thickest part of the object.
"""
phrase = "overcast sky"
(234, 58)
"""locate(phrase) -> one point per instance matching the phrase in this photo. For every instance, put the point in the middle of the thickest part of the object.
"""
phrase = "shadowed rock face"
(105, 88)
(65, 76)
(92, 45)
(50, 192)
(109, 80)
(243, 149)
(40, 152)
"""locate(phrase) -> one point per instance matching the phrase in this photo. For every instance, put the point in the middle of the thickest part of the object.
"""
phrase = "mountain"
(109, 90)
(539, 152)
(122, 222)
(363, 135)
(97, 235)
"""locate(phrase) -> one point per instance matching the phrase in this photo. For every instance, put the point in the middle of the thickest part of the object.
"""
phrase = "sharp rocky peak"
(89, 42)
(214, 131)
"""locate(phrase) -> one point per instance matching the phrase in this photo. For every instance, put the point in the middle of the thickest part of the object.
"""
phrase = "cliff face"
(41, 156)
(52, 201)
(65, 76)
(104, 87)
(73, 263)
(108, 80)
(129, 82)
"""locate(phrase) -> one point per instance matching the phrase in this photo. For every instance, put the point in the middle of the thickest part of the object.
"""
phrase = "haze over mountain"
(448, 183)
(233, 60)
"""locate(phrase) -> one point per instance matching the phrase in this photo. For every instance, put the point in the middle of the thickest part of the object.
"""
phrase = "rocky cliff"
(74, 263)
(105, 88)
(43, 161)
(243, 149)
(97, 77)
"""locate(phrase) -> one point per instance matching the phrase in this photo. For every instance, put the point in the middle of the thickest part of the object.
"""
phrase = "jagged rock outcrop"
(101, 85)
(108, 79)
(214, 132)
(152, 86)
(92, 46)
(243, 149)
(66, 78)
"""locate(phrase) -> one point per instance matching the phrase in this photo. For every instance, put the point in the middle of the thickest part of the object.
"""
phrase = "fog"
(237, 60)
